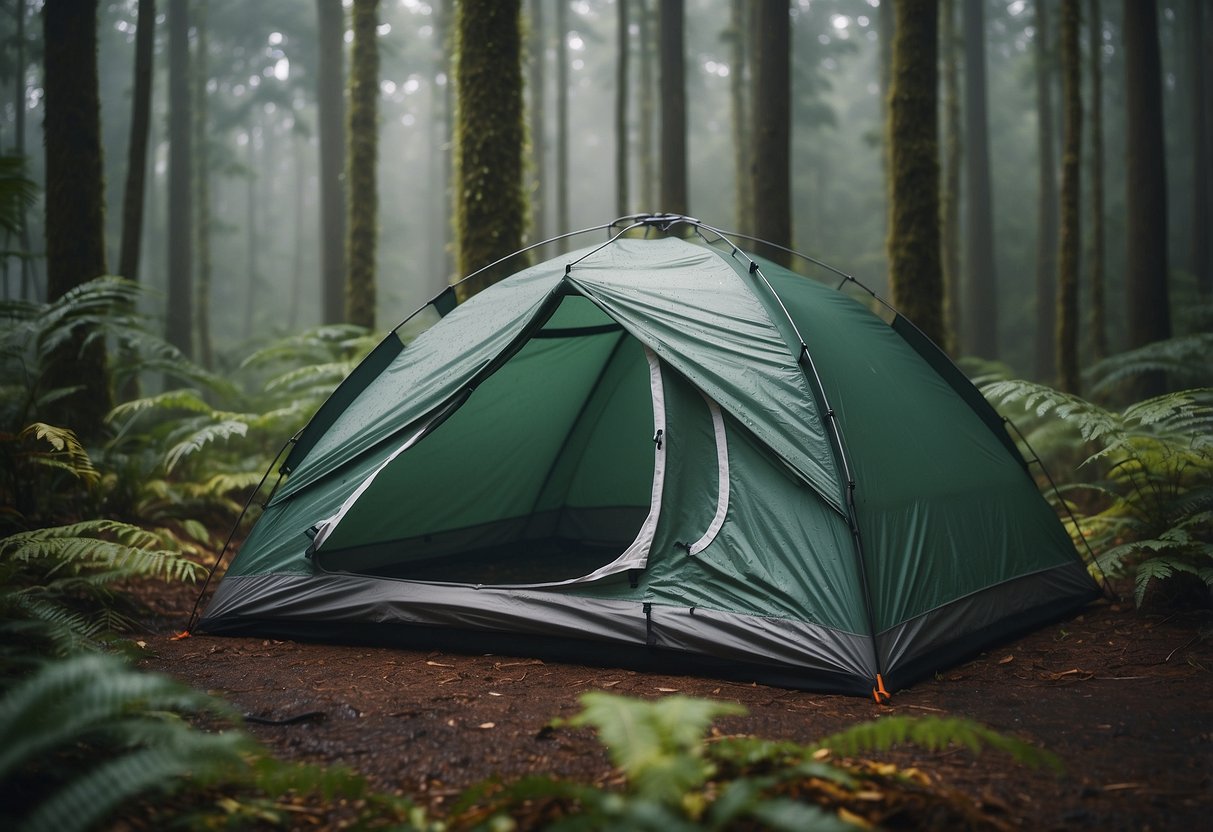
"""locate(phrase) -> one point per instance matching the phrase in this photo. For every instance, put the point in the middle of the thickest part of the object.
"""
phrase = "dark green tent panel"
(661, 451)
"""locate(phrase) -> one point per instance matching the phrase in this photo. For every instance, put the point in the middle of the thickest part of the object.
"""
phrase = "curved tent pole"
(189, 626)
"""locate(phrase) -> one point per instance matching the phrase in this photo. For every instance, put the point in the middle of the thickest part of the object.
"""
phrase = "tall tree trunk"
(538, 109)
(330, 105)
(364, 151)
(75, 236)
(981, 299)
(29, 276)
(1202, 184)
(562, 117)
(912, 139)
(1149, 308)
(180, 319)
(673, 108)
(738, 36)
(202, 193)
(1071, 188)
(621, 112)
(1046, 205)
(252, 233)
(886, 27)
(1099, 326)
(772, 131)
(136, 165)
(446, 26)
(648, 109)
(489, 137)
(950, 210)
(301, 241)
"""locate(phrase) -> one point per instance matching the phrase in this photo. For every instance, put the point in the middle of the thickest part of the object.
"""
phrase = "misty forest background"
(249, 76)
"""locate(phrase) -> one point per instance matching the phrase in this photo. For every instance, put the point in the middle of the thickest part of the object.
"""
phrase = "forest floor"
(1122, 697)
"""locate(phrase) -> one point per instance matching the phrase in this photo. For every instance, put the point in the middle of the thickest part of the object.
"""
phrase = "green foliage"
(1145, 506)
(1184, 359)
(676, 779)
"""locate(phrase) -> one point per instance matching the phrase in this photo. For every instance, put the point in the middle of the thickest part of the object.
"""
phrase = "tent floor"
(519, 562)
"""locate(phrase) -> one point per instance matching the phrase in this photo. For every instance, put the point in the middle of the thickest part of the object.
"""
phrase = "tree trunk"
(364, 149)
(772, 129)
(981, 299)
(445, 25)
(950, 210)
(538, 109)
(1046, 205)
(202, 193)
(1071, 230)
(1099, 326)
(648, 108)
(29, 276)
(1149, 312)
(915, 273)
(489, 132)
(562, 117)
(330, 116)
(75, 241)
(621, 113)
(180, 319)
(136, 165)
(673, 108)
(1201, 184)
(300, 235)
(738, 37)
(253, 237)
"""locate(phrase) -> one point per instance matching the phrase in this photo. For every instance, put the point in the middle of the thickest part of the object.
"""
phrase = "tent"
(660, 452)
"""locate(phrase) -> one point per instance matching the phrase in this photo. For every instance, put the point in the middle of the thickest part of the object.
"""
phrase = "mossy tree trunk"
(1046, 199)
(771, 129)
(738, 37)
(180, 318)
(672, 59)
(537, 83)
(1071, 181)
(75, 211)
(330, 119)
(621, 109)
(202, 194)
(136, 159)
(981, 295)
(952, 150)
(915, 273)
(363, 142)
(1198, 109)
(490, 209)
(1148, 298)
(1099, 325)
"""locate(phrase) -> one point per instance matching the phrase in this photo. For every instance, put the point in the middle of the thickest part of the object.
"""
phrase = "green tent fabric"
(661, 452)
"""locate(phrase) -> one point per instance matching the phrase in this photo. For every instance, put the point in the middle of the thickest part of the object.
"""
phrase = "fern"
(98, 544)
(1144, 509)
(1185, 359)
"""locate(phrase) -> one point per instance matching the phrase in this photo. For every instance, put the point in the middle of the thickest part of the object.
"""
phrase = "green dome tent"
(660, 452)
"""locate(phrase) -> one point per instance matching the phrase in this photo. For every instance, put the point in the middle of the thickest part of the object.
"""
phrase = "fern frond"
(108, 544)
(69, 455)
(933, 734)
(202, 437)
(1185, 359)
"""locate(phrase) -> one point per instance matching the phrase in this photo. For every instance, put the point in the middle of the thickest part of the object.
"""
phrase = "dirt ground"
(1122, 697)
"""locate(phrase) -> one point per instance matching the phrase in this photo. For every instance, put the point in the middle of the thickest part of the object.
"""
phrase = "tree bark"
(538, 109)
(330, 105)
(772, 127)
(1201, 184)
(363, 138)
(981, 299)
(738, 36)
(1099, 326)
(648, 108)
(1046, 205)
(136, 165)
(202, 193)
(562, 117)
(489, 138)
(1149, 313)
(75, 241)
(180, 318)
(952, 152)
(915, 272)
(1071, 188)
(621, 112)
(673, 108)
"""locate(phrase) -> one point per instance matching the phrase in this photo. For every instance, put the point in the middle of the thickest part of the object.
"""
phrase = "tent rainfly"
(660, 452)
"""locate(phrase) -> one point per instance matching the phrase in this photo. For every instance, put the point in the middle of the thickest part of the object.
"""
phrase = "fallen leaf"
(487, 725)
(1006, 660)
(495, 693)
(439, 664)
(668, 690)
(141, 643)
